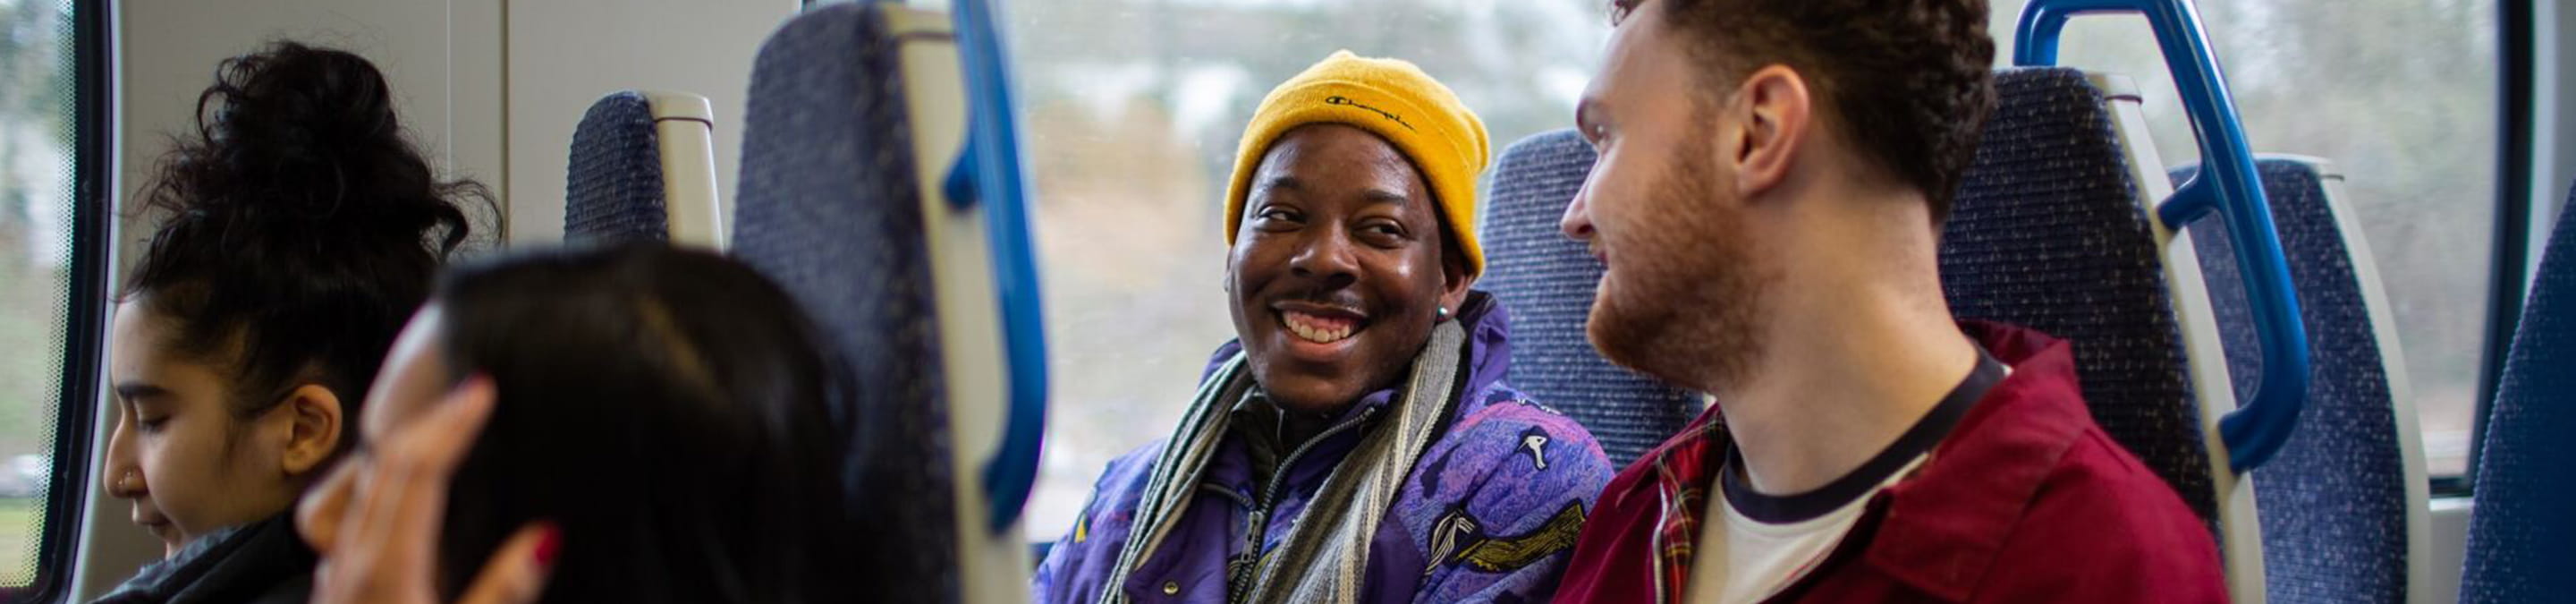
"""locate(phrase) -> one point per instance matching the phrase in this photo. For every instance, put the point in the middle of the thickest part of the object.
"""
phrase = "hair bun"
(296, 218)
(298, 139)
(293, 96)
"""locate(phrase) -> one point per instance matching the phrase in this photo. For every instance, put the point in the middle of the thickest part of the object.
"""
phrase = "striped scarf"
(1325, 554)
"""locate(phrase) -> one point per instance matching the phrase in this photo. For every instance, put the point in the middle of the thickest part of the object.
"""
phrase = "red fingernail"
(548, 545)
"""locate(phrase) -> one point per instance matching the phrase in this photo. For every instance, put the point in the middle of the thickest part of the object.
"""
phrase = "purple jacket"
(1488, 515)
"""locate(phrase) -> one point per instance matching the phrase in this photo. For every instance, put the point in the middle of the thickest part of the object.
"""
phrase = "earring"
(1444, 313)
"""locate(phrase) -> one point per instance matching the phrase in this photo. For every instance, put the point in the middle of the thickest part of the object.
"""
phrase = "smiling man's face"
(1682, 297)
(1338, 272)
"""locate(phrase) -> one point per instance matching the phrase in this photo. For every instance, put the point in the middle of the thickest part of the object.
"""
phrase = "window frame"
(84, 335)
(2510, 260)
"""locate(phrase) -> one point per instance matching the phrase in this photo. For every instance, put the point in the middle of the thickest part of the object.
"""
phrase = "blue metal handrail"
(2228, 185)
(988, 172)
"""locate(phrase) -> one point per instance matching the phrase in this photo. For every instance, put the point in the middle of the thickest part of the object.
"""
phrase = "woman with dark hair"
(298, 229)
(660, 418)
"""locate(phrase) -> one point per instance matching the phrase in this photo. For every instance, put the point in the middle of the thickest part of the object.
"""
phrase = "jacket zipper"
(1257, 524)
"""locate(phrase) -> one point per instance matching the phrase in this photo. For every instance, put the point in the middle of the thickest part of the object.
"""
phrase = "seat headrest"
(613, 185)
(1547, 281)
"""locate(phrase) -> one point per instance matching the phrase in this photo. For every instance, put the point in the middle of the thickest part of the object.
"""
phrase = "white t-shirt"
(1750, 560)
(1754, 546)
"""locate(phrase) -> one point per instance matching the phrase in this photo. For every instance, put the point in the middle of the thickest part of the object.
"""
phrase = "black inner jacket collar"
(259, 562)
(1920, 439)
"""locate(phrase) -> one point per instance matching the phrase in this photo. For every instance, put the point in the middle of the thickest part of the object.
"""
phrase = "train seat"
(2049, 231)
(2344, 505)
(827, 207)
(643, 166)
(881, 185)
(2522, 535)
(1547, 282)
(2059, 226)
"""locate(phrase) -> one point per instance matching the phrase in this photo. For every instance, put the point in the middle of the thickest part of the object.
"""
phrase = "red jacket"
(2025, 501)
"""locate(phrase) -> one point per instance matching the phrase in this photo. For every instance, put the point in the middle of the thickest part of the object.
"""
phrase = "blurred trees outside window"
(1134, 108)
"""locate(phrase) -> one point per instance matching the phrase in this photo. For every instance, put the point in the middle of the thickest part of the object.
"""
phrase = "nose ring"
(128, 481)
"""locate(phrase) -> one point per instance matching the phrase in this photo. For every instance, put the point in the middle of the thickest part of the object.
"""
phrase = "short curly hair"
(1910, 82)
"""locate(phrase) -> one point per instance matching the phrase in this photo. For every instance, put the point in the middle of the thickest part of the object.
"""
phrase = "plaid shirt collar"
(1684, 471)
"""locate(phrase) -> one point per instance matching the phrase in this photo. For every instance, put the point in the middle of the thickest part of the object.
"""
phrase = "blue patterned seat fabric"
(2522, 531)
(2333, 502)
(613, 185)
(828, 207)
(2047, 233)
(1547, 281)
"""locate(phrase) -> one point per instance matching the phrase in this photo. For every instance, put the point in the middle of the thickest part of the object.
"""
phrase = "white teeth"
(1314, 334)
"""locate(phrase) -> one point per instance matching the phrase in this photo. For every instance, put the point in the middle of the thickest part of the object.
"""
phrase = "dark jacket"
(263, 562)
(2026, 501)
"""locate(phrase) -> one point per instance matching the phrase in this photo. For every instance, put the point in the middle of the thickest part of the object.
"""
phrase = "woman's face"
(414, 376)
(1337, 272)
(180, 451)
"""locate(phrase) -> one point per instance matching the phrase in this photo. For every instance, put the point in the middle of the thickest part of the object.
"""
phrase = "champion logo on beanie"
(1343, 100)
(1394, 100)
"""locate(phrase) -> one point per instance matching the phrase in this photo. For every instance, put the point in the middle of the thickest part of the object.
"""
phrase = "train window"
(43, 277)
(2401, 96)
(1135, 107)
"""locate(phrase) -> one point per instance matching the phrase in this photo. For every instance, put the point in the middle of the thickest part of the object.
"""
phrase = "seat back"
(643, 166)
(2234, 438)
(2343, 506)
(2522, 532)
(2055, 228)
(882, 187)
(1547, 281)
(829, 207)
(2048, 232)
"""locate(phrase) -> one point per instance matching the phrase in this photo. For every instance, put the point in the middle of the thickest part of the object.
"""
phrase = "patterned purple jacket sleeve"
(1496, 504)
(1080, 562)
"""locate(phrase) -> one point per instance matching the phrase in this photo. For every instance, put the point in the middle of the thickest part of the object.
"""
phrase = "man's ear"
(1453, 279)
(313, 415)
(1776, 113)
(1225, 274)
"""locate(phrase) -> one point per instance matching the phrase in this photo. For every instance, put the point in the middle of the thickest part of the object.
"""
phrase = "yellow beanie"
(1394, 100)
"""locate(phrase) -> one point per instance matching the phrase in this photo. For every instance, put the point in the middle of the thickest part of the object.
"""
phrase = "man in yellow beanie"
(1356, 443)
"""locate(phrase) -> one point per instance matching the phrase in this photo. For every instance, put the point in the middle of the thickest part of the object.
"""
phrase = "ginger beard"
(1682, 298)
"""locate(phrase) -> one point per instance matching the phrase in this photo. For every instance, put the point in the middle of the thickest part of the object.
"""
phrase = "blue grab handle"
(2227, 184)
(988, 172)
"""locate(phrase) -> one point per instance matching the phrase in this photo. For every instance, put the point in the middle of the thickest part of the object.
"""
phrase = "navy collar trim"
(1916, 441)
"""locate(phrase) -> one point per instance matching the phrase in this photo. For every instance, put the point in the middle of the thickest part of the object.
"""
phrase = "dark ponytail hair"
(300, 229)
